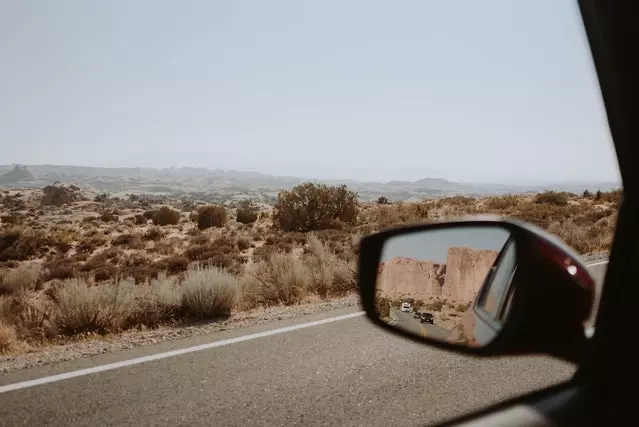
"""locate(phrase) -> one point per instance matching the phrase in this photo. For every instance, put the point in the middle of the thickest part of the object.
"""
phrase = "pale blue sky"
(465, 90)
(433, 245)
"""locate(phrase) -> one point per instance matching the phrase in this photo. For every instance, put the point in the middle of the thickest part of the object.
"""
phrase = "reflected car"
(427, 318)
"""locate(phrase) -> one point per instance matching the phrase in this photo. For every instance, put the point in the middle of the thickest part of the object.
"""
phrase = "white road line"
(144, 359)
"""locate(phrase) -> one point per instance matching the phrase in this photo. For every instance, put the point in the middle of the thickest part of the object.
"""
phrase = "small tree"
(311, 206)
(587, 194)
(247, 214)
(210, 216)
(382, 200)
(165, 216)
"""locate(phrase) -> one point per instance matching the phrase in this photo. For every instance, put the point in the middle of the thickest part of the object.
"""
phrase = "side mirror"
(486, 287)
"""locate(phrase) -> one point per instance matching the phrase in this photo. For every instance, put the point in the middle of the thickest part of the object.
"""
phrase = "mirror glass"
(449, 284)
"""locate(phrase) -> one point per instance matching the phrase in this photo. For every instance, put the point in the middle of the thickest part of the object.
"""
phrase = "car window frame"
(599, 386)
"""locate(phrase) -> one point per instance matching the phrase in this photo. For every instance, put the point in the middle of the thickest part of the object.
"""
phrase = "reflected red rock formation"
(459, 279)
(466, 269)
(403, 277)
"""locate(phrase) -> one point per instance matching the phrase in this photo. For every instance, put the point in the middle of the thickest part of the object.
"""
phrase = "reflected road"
(407, 322)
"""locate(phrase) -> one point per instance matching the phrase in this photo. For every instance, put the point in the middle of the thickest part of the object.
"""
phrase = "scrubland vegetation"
(104, 265)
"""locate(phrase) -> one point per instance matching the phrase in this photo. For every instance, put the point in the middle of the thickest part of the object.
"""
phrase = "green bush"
(210, 216)
(165, 216)
(311, 206)
(552, 198)
(247, 214)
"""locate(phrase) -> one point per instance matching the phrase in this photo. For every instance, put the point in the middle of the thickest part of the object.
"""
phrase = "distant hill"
(232, 183)
(19, 173)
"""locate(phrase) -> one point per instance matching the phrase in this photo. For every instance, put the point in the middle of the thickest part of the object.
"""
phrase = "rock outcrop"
(408, 277)
(466, 269)
(58, 194)
(459, 279)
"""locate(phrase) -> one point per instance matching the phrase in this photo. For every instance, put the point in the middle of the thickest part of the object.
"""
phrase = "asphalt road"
(407, 322)
(342, 373)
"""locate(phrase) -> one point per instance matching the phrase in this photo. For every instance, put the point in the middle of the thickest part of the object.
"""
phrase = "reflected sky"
(432, 245)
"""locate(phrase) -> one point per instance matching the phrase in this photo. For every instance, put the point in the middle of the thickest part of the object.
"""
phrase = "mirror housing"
(547, 307)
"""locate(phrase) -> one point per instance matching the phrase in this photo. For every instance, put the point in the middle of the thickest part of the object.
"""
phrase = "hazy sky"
(465, 90)
(433, 245)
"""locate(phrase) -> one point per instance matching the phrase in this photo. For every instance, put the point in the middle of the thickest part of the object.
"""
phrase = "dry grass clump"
(83, 308)
(156, 302)
(209, 292)
(8, 337)
(288, 279)
(76, 307)
(129, 240)
(24, 278)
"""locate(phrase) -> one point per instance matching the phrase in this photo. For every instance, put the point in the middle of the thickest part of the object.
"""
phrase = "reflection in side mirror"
(447, 284)
(484, 287)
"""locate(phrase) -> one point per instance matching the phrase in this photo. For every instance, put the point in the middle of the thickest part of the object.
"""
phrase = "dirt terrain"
(78, 265)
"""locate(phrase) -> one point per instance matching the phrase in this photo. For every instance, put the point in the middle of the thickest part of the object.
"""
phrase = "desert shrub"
(208, 292)
(312, 206)
(329, 274)
(12, 219)
(153, 233)
(105, 272)
(247, 214)
(20, 280)
(8, 337)
(130, 240)
(34, 318)
(100, 309)
(613, 196)
(108, 216)
(165, 216)
(222, 252)
(102, 197)
(500, 203)
(140, 219)
(270, 247)
(174, 264)
(434, 306)
(552, 198)
(243, 244)
(60, 268)
(156, 302)
(21, 244)
(210, 216)
(382, 200)
(382, 305)
(282, 279)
